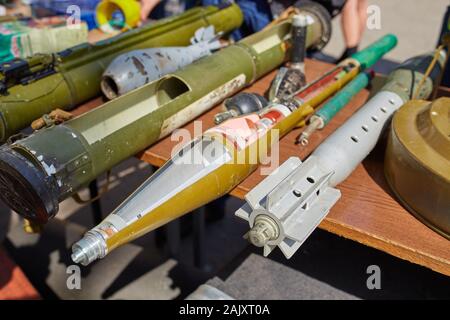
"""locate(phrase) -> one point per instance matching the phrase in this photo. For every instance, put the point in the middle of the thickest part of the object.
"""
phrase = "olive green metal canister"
(38, 172)
(35, 86)
(417, 163)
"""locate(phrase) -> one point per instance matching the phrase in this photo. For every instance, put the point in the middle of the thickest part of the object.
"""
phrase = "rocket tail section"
(287, 206)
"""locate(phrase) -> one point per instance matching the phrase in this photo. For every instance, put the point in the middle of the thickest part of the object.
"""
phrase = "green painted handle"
(343, 97)
(370, 55)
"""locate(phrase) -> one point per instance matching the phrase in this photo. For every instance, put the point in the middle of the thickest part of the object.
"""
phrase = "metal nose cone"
(78, 256)
(90, 248)
(25, 188)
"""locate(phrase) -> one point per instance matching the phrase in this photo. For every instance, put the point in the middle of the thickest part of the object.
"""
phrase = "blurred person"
(353, 22)
(147, 6)
(257, 14)
(158, 9)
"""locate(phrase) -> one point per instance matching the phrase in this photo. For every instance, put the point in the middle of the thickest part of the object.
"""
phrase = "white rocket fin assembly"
(288, 205)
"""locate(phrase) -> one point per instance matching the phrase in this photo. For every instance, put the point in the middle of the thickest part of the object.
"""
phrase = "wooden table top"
(367, 211)
(14, 285)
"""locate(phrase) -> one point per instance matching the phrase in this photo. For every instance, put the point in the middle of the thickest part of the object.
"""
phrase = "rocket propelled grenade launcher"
(134, 69)
(206, 168)
(53, 163)
(32, 87)
(286, 207)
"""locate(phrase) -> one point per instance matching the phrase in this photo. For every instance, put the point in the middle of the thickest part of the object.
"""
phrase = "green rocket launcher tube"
(32, 87)
(370, 55)
(343, 97)
(365, 59)
(322, 116)
(38, 172)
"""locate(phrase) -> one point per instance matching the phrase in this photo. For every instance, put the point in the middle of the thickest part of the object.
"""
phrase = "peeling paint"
(50, 169)
(139, 65)
(198, 107)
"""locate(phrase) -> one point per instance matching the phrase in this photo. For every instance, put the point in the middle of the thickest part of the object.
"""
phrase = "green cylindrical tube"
(343, 97)
(365, 58)
(73, 76)
(406, 80)
(52, 164)
(370, 55)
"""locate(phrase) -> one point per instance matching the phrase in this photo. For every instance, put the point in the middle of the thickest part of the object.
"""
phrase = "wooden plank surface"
(14, 285)
(367, 212)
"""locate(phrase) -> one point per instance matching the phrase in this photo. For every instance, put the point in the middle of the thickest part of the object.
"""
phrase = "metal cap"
(245, 103)
(300, 20)
(322, 15)
(264, 230)
(25, 188)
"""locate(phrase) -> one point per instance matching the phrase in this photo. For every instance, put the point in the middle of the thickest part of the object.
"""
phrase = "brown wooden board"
(367, 211)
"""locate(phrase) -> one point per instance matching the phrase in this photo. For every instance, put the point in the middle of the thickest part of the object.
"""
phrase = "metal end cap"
(245, 103)
(322, 15)
(299, 20)
(264, 229)
(26, 188)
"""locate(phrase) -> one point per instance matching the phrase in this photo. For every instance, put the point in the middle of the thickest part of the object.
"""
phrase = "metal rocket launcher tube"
(34, 86)
(288, 205)
(55, 162)
(205, 169)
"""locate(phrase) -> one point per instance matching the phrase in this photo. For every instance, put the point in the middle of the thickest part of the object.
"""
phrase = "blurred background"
(416, 23)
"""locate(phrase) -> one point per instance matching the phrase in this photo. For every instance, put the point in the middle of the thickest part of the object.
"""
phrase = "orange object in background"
(14, 285)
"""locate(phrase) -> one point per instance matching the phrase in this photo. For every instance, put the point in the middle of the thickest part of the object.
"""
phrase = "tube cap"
(25, 188)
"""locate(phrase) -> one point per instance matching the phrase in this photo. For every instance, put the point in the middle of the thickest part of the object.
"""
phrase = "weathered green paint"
(343, 97)
(374, 52)
(79, 69)
(76, 152)
(405, 79)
